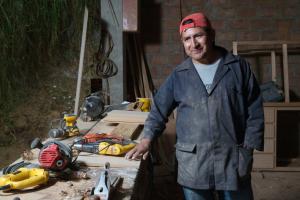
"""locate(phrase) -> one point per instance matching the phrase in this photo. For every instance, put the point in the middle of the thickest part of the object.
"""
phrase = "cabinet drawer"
(263, 161)
(269, 131)
(269, 115)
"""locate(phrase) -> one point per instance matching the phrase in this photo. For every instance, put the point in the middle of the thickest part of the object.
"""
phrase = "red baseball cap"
(197, 20)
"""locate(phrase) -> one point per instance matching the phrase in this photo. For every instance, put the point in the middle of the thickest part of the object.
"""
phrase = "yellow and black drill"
(67, 127)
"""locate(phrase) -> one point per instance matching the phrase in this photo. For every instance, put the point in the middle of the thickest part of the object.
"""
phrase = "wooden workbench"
(129, 171)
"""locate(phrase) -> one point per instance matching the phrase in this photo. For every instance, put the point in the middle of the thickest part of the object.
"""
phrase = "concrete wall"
(232, 20)
(112, 17)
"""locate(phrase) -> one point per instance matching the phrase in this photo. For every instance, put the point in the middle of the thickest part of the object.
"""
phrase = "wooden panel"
(269, 131)
(263, 161)
(269, 146)
(269, 115)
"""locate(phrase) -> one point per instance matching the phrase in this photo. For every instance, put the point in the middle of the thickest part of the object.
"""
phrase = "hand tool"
(66, 127)
(94, 137)
(92, 108)
(53, 155)
(23, 178)
(145, 104)
(105, 184)
(106, 147)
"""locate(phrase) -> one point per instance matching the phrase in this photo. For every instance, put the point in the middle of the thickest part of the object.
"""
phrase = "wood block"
(128, 130)
(123, 116)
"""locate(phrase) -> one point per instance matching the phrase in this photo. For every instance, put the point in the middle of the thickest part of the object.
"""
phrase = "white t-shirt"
(207, 72)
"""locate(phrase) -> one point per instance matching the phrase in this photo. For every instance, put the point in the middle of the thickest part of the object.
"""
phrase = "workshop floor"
(266, 186)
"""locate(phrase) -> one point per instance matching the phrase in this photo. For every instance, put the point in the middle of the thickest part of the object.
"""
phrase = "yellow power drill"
(105, 147)
(67, 127)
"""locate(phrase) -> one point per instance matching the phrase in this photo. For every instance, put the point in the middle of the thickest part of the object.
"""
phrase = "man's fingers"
(137, 155)
(145, 155)
(130, 153)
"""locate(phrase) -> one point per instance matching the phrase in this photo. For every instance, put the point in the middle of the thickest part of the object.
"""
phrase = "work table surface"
(91, 165)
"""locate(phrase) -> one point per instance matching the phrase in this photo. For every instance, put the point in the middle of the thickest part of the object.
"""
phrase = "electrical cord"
(105, 67)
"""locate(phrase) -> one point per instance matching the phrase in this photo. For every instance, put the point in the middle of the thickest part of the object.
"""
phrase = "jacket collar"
(223, 68)
(227, 58)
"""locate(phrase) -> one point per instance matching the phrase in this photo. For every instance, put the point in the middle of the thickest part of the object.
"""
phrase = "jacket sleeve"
(254, 135)
(162, 106)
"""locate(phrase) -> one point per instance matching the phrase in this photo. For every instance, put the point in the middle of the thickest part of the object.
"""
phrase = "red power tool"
(53, 155)
(94, 137)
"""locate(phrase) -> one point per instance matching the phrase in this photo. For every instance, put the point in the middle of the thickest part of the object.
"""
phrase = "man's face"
(197, 44)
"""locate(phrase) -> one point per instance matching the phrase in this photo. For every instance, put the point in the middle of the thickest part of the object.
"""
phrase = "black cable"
(105, 67)
(12, 168)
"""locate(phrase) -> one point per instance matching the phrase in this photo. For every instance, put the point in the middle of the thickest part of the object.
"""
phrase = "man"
(219, 117)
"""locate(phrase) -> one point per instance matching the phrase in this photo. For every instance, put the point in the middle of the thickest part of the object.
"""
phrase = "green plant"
(32, 33)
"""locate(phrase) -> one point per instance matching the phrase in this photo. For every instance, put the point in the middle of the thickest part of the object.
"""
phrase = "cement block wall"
(232, 19)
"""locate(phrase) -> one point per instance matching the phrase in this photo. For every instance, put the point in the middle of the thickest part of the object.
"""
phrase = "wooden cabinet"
(266, 160)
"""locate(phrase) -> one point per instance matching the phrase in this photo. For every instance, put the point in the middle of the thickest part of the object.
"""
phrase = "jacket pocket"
(245, 161)
(185, 147)
(187, 160)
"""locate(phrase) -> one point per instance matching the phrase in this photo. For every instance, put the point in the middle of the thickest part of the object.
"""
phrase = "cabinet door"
(263, 161)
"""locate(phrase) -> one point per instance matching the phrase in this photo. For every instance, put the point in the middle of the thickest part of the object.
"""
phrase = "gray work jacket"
(212, 128)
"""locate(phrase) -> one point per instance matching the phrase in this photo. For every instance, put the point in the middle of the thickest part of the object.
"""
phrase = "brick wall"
(232, 20)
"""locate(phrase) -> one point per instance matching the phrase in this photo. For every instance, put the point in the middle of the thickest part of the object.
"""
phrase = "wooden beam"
(265, 42)
(273, 64)
(234, 48)
(285, 73)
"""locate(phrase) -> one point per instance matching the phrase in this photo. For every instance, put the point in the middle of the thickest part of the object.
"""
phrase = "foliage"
(32, 33)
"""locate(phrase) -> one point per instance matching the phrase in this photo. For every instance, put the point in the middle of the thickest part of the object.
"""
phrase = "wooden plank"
(266, 42)
(269, 115)
(282, 104)
(263, 161)
(269, 130)
(93, 160)
(269, 146)
(234, 48)
(123, 116)
(285, 73)
(273, 64)
(128, 130)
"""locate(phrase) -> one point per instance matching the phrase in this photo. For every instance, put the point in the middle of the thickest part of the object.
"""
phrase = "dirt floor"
(266, 186)
(53, 95)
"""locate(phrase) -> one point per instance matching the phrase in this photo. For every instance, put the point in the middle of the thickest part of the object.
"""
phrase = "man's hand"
(141, 150)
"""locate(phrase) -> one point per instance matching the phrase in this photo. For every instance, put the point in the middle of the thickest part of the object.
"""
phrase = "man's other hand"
(141, 150)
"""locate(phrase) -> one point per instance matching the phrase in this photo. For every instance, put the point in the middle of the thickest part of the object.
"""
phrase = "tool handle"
(91, 148)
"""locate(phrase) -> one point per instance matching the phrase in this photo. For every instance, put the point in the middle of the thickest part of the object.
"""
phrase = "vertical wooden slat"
(273, 64)
(234, 48)
(285, 73)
